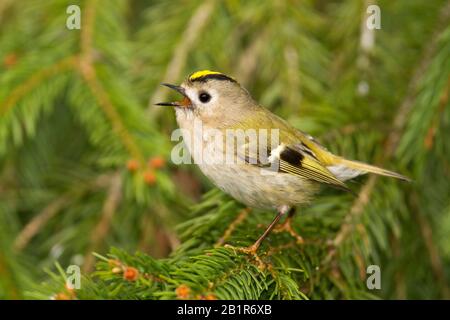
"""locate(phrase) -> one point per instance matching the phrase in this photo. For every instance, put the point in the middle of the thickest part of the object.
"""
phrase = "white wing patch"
(275, 154)
(344, 173)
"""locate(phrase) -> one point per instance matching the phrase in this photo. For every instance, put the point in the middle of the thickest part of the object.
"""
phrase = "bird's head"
(209, 93)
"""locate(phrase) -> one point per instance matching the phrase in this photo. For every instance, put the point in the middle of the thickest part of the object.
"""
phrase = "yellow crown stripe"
(202, 73)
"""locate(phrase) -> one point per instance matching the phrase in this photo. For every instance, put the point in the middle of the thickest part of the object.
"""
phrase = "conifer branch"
(52, 209)
(315, 52)
(392, 139)
(89, 75)
(87, 32)
(408, 101)
(432, 130)
(88, 72)
(349, 221)
(34, 80)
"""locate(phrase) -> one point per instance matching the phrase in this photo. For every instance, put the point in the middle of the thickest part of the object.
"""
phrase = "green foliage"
(82, 149)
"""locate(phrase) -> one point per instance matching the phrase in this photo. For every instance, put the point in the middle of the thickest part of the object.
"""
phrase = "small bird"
(283, 175)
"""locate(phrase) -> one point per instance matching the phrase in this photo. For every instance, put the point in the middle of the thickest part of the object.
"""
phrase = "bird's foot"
(287, 227)
(251, 251)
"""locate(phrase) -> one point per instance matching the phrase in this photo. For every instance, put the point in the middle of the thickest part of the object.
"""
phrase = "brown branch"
(87, 30)
(190, 36)
(41, 219)
(4, 6)
(26, 86)
(51, 210)
(88, 72)
(239, 219)
(432, 130)
(349, 221)
(101, 229)
(355, 211)
(98, 91)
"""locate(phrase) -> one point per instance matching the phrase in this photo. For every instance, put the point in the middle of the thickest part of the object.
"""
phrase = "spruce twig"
(34, 80)
(392, 139)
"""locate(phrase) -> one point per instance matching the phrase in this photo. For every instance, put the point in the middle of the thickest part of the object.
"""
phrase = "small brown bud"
(157, 163)
(132, 165)
(62, 296)
(130, 274)
(183, 291)
(210, 296)
(149, 178)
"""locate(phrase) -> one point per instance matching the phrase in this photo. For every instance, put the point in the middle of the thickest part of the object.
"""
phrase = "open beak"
(186, 102)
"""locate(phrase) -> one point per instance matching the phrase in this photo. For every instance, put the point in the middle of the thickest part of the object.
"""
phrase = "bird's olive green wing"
(296, 160)
(296, 153)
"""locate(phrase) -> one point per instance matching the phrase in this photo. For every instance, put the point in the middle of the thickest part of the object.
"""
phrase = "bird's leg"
(254, 247)
(287, 227)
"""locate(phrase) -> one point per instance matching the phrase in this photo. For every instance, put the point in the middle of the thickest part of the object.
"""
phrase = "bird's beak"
(186, 102)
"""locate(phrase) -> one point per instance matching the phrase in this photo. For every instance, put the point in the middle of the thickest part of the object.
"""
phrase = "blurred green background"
(85, 155)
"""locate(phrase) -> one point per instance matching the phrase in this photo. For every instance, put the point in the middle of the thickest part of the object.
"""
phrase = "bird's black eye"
(204, 97)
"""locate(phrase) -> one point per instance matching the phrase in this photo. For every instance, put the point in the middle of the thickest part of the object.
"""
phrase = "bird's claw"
(251, 251)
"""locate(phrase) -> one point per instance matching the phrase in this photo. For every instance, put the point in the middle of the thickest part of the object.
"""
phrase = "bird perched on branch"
(280, 169)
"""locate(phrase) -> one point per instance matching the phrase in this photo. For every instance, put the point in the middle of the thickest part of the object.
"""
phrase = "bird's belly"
(253, 187)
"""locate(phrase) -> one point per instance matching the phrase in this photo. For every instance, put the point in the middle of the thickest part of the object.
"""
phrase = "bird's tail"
(367, 168)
